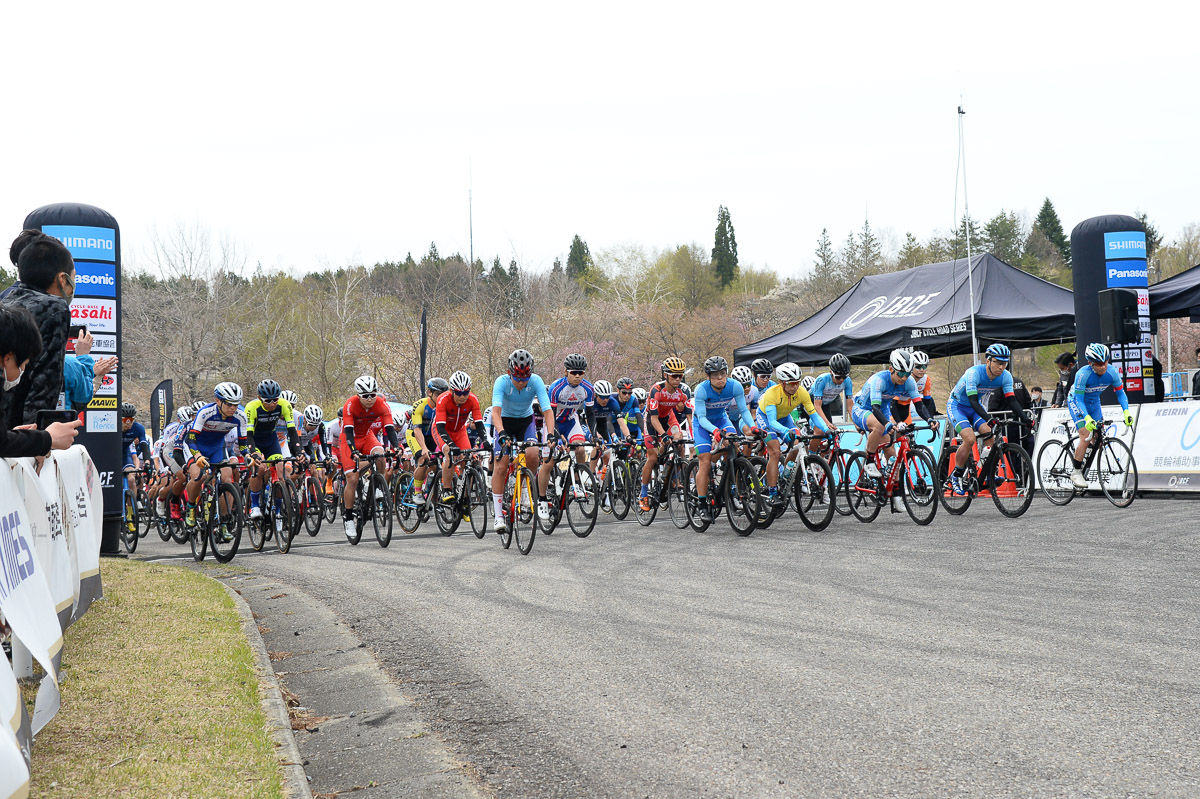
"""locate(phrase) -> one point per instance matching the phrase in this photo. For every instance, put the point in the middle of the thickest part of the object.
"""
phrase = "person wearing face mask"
(1035, 398)
(1066, 379)
(20, 344)
(45, 287)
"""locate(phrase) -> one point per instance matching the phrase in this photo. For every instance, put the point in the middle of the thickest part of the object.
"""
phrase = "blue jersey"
(517, 404)
(879, 389)
(569, 400)
(130, 437)
(826, 392)
(209, 428)
(713, 406)
(1089, 386)
(630, 411)
(975, 381)
(609, 408)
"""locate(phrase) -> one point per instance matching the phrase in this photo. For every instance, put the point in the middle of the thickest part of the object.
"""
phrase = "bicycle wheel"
(955, 504)
(861, 491)
(583, 504)
(225, 528)
(1054, 467)
(919, 485)
(1117, 472)
(129, 527)
(478, 499)
(360, 511)
(446, 513)
(839, 466)
(178, 529)
(332, 500)
(144, 516)
(403, 494)
(1010, 480)
(524, 525)
(620, 495)
(198, 532)
(162, 523)
(677, 505)
(814, 488)
(256, 530)
(381, 510)
(688, 471)
(314, 502)
(281, 516)
(743, 496)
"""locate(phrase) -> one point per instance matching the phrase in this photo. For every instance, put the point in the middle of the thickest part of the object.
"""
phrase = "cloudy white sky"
(337, 133)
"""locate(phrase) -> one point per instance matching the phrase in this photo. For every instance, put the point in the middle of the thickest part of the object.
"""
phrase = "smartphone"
(46, 418)
(76, 330)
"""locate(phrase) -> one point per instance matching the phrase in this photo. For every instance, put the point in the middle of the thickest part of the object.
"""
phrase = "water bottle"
(983, 453)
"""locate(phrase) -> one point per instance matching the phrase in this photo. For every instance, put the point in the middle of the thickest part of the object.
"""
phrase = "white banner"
(1167, 451)
(44, 505)
(1052, 426)
(83, 522)
(14, 755)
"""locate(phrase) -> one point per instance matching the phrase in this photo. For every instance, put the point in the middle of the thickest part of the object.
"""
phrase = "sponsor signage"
(95, 280)
(102, 402)
(102, 421)
(907, 307)
(87, 243)
(99, 315)
(103, 342)
(108, 386)
(1055, 425)
(1167, 449)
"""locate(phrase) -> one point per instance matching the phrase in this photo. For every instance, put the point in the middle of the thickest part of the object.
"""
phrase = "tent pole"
(962, 154)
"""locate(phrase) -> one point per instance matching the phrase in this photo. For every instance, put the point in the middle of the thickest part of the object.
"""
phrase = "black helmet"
(269, 390)
(438, 384)
(575, 362)
(520, 364)
(127, 410)
(839, 364)
(624, 384)
(716, 364)
(761, 366)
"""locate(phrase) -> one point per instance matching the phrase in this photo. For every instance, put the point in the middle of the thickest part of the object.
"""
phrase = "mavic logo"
(898, 308)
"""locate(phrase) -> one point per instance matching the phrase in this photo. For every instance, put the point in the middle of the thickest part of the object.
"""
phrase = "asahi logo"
(898, 308)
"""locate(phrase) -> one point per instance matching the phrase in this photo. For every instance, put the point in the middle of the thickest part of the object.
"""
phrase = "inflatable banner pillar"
(1110, 252)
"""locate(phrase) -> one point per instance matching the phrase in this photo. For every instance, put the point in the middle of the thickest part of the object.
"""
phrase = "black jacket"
(43, 381)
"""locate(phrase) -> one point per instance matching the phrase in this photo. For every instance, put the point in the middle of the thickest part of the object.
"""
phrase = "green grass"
(160, 697)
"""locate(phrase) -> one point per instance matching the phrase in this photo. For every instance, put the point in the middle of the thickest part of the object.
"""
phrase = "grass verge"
(160, 697)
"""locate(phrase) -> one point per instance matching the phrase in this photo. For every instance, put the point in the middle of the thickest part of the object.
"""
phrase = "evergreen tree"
(498, 276)
(1003, 237)
(432, 258)
(870, 251)
(579, 259)
(557, 269)
(911, 253)
(724, 253)
(826, 257)
(1154, 239)
(1048, 223)
(848, 261)
(409, 263)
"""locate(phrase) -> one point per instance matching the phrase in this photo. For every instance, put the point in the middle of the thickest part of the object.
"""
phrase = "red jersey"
(663, 400)
(366, 421)
(456, 416)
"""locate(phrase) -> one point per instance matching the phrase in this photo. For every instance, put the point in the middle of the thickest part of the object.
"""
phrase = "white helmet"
(788, 372)
(366, 385)
(640, 393)
(920, 359)
(230, 392)
(313, 414)
(185, 414)
(603, 388)
(291, 396)
(197, 405)
(808, 382)
(901, 360)
(459, 381)
(742, 374)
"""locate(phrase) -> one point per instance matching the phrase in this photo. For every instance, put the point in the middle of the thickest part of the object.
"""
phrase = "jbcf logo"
(106, 479)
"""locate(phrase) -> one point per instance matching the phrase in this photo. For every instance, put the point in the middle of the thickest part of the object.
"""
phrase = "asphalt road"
(1054, 655)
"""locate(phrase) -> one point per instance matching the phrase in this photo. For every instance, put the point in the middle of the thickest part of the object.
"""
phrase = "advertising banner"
(83, 522)
(162, 407)
(14, 753)
(1053, 426)
(1167, 450)
(44, 506)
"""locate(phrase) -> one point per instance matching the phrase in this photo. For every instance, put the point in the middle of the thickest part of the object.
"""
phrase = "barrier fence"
(50, 525)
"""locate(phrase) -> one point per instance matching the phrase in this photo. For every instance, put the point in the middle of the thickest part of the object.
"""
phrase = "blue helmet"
(269, 390)
(999, 351)
(1097, 353)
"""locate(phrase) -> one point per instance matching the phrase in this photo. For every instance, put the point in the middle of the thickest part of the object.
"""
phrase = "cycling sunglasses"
(837, 376)
(366, 396)
(576, 373)
(462, 393)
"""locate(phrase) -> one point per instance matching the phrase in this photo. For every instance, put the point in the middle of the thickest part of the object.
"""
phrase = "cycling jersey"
(261, 423)
(752, 396)
(518, 403)
(1084, 400)
(879, 389)
(422, 415)
(608, 412)
(975, 382)
(663, 401)
(827, 392)
(630, 411)
(776, 406)
(134, 440)
(568, 400)
(453, 419)
(312, 440)
(206, 435)
(365, 422)
(712, 411)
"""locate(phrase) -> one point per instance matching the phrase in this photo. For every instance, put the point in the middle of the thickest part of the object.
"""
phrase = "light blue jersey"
(712, 406)
(826, 392)
(517, 404)
(975, 381)
(880, 390)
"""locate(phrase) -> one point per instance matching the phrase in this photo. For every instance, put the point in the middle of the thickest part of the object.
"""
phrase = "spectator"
(1035, 398)
(45, 287)
(1160, 383)
(81, 373)
(20, 344)
(1066, 379)
(1196, 377)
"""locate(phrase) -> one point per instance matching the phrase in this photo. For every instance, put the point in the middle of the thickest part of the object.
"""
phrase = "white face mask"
(9, 385)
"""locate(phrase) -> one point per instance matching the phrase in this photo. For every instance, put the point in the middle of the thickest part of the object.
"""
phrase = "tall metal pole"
(471, 210)
(962, 155)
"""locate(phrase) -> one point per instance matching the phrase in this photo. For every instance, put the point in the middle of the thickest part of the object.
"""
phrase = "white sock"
(497, 501)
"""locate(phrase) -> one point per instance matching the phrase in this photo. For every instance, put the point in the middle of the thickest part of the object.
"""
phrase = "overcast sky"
(349, 132)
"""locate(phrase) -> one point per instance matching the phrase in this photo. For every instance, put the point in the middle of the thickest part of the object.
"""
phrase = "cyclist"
(872, 410)
(965, 406)
(365, 417)
(134, 442)
(714, 397)
(513, 397)
(629, 407)
(762, 370)
(420, 433)
(924, 381)
(743, 375)
(172, 436)
(206, 440)
(774, 415)
(1084, 402)
(456, 408)
(569, 395)
(610, 425)
(314, 444)
(281, 429)
(831, 387)
(263, 415)
(667, 403)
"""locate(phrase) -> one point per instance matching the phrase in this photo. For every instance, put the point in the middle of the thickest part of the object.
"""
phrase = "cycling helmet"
(197, 405)
(366, 385)
(788, 372)
(460, 381)
(999, 351)
(1097, 353)
(269, 390)
(674, 365)
(575, 362)
(313, 414)
(624, 384)
(230, 392)
(603, 388)
(185, 414)
(127, 410)
(762, 366)
(716, 364)
(839, 364)
(341, 411)
(520, 365)
(640, 393)
(741, 374)
(808, 382)
(437, 384)
(291, 396)
(901, 360)
(920, 360)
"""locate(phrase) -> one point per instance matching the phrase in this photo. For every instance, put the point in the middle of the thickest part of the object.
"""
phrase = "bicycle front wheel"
(677, 505)
(225, 526)
(813, 488)
(478, 498)
(743, 496)
(314, 503)
(1010, 479)
(620, 495)
(1054, 468)
(403, 500)
(955, 504)
(840, 466)
(198, 532)
(583, 503)
(861, 491)
(129, 524)
(280, 517)
(919, 485)
(1117, 472)
(524, 524)
(380, 502)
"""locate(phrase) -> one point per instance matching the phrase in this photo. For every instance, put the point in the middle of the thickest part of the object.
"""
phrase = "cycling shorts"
(764, 424)
(215, 454)
(517, 428)
(669, 423)
(459, 437)
(859, 416)
(363, 444)
(574, 431)
(704, 438)
(268, 446)
(1080, 410)
(963, 416)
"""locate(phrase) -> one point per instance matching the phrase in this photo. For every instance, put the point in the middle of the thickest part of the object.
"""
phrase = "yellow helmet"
(674, 365)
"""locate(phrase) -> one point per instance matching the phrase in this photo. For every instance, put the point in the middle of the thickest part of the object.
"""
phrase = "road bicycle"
(573, 492)
(410, 513)
(135, 515)
(372, 501)
(911, 477)
(218, 520)
(1108, 461)
(838, 457)
(733, 486)
(667, 486)
(471, 494)
(312, 501)
(616, 482)
(1003, 471)
(280, 508)
(519, 506)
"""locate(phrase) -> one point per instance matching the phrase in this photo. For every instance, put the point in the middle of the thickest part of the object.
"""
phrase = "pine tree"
(557, 269)
(1048, 223)
(579, 259)
(870, 251)
(911, 253)
(826, 257)
(848, 261)
(1154, 238)
(1003, 237)
(724, 253)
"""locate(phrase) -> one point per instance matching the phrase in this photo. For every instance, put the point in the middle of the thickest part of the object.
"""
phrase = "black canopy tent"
(1177, 296)
(927, 308)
